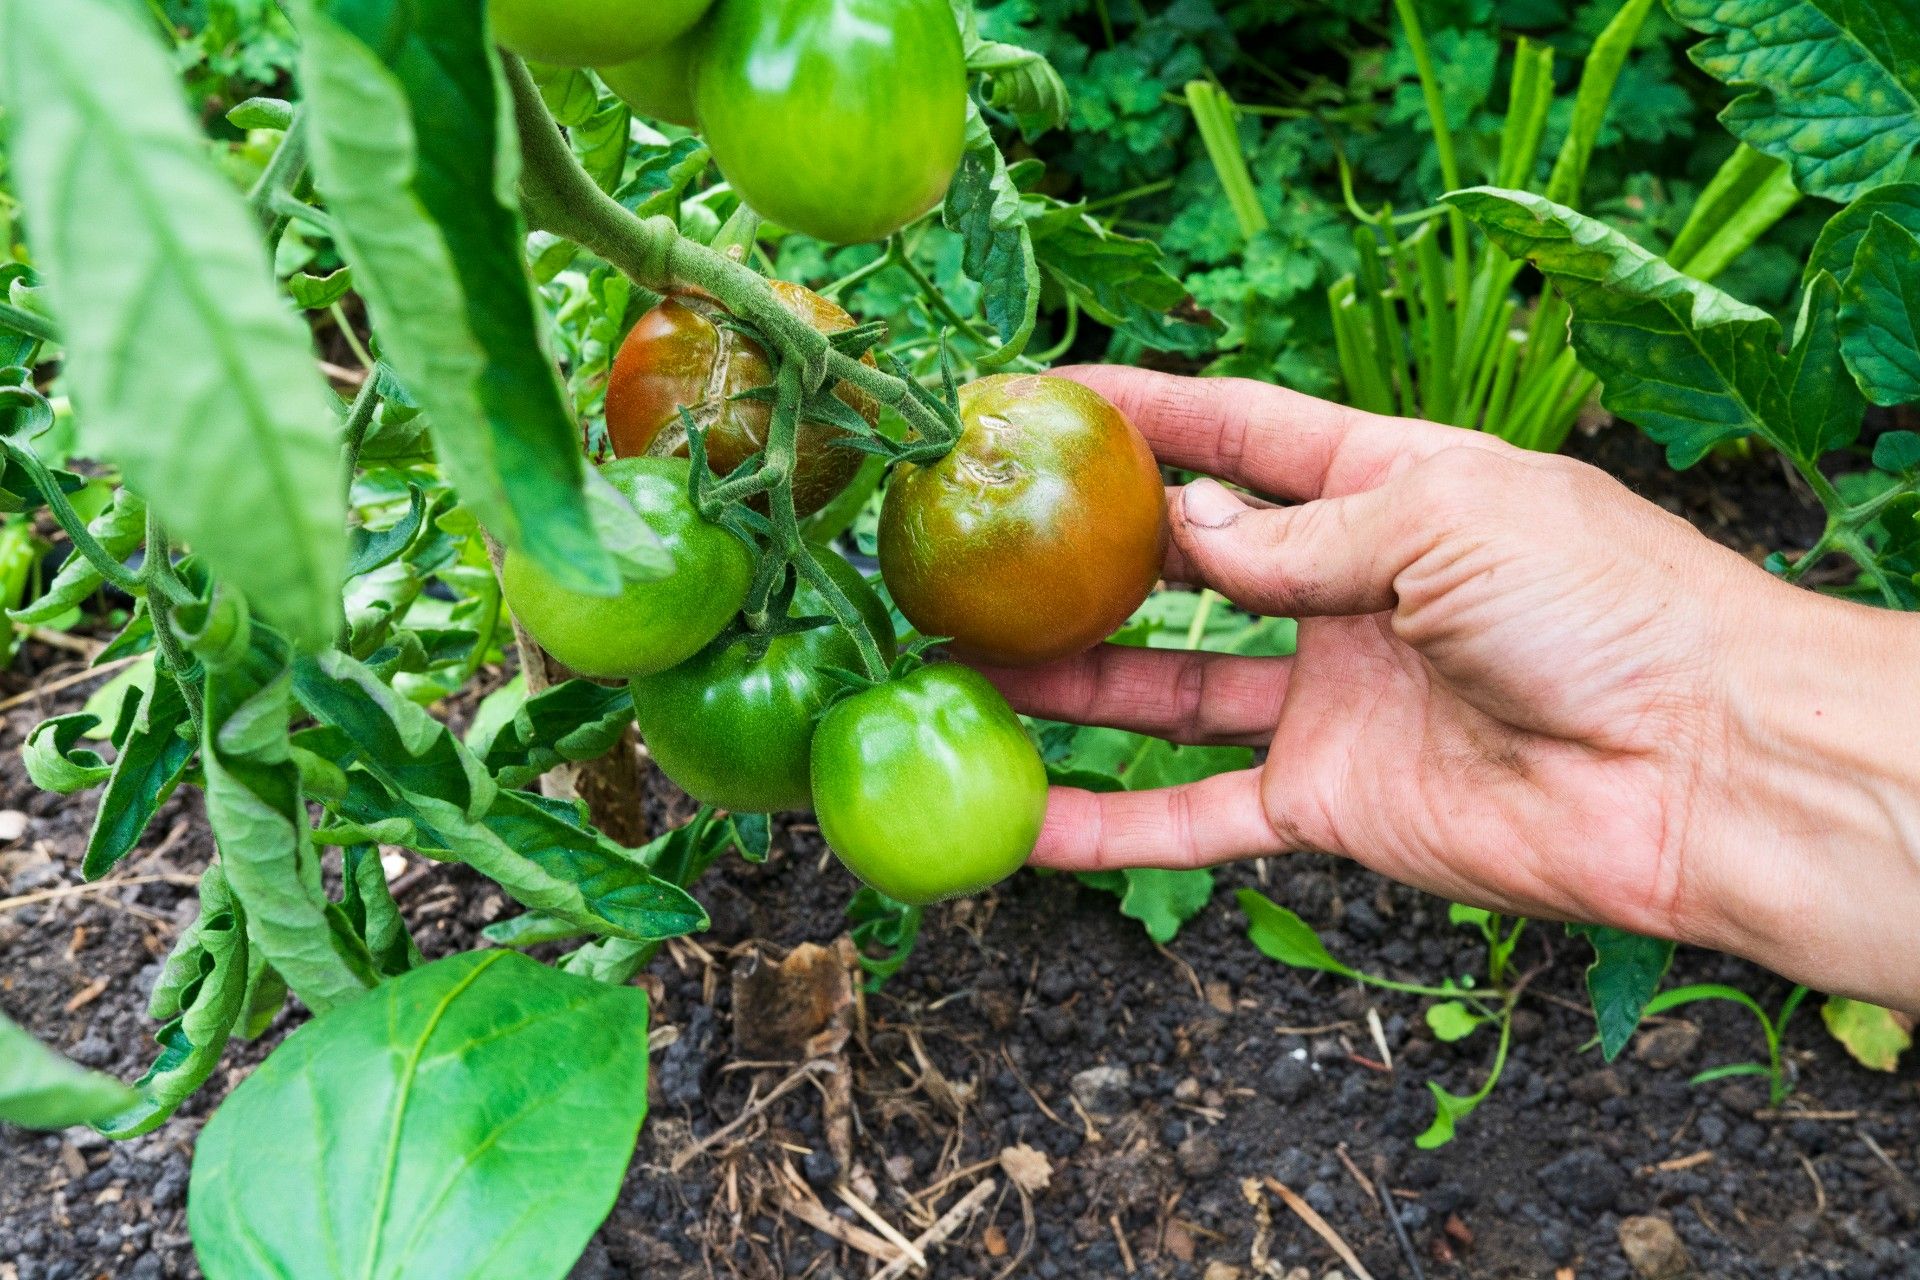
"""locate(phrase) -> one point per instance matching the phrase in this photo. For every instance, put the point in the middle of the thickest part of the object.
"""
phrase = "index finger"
(1268, 438)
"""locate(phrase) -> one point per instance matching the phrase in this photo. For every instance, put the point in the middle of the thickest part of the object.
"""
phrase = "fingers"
(1213, 699)
(1268, 438)
(1214, 820)
(1337, 557)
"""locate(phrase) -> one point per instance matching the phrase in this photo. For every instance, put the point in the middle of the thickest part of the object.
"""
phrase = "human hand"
(1517, 685)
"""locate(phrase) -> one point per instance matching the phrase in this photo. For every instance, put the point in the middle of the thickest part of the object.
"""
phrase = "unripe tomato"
(842, 119)
(735, 732)
(659, 83)
(928, 787)
(590, 33)
(1038, 535)
(650, 625)
(679, 354)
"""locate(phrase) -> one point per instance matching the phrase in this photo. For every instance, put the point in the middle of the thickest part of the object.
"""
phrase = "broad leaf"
(39, 1089)
(1159, 899)
(983, 209)
(1626, 971)
(470, 1119)
(1281, 935)
(1821, 409)
(317, 293)
(1688, 364)
(1831, 86)
(1118, 280)
(407, 112)
(137, 233)
(1840, 238)
(367, 905)
(1880, 313)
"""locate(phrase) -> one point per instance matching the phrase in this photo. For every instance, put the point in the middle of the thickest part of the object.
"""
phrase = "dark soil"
(1235, 1069)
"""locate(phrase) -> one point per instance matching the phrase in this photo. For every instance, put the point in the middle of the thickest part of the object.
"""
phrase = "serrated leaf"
(136, 231)
(1821, 409)
(1281, 935)
(983, 209)
(662, 177)
(40, 1089)
(406, 111)
(1880, 313)
(1875, 1037)
(472, 1118)
(1831, 86)
(1690, 365)
(1840, 238)
(1621, 981)
(1163, 900)
(567, 723)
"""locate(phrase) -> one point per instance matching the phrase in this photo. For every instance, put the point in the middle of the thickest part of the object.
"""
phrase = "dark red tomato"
(842, 119)
(1038, 535)
(678, 354)
(927, 786)
(735, 732)
(590, 33)
(650, 625)
(657, 84)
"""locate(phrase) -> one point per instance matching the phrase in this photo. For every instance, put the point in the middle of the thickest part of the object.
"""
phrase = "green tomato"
(928, 787)
(735, 732)
(650, 625)
(590, 33)
(658, 84)
(842, 119)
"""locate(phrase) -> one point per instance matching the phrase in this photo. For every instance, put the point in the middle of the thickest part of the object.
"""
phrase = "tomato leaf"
(473, 1118)
(1840, 239)
(153, 757)
(1821, 408)
(1281, 935)
(570, 722)
(1119, 280)
(40, 1089)
(663, 176)
(121, 528)
(405, 110)
(983, 209)
(1880, 313)
(367, 906)
(199, 997)
(1875, 1037)
(1626, 971)
(137, 233)
(317, 293)
(1831, 88)
(54, 763)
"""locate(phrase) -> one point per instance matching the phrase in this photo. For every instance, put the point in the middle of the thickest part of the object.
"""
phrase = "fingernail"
(1206, 504)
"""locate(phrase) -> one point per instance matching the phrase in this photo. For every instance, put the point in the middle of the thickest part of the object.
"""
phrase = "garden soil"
(1162, 1095)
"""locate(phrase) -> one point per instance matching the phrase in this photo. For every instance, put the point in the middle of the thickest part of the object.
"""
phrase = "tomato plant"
(843, 119)
(683, 354)
(590, 33)
(927, 786)
(733, 727)
(651, 624)
(1037, 535)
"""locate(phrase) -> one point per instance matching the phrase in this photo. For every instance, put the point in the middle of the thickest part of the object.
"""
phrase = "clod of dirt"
(1198, 1157)
(1585, 1180)
(1103, 1091)
(1653, 1248)
(1667, 1047)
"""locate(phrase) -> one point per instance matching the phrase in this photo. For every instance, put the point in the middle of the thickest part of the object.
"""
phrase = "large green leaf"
(39, 1089)
(1688, 364)
(1840, 238)
(1832, 87)
(179, 352)
(470, 1120)
(1880, 313)
(413, 149)
(1626, 971)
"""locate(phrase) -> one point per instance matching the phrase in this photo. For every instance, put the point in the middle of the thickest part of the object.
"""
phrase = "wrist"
(1811, 841)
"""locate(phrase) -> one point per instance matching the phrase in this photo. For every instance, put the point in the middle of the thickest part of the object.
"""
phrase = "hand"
(1517, 685)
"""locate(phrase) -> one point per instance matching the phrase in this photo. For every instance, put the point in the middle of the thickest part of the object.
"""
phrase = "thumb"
(1326, 558)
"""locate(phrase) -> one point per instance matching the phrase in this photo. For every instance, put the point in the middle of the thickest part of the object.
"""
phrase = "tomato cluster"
(843, 119)
(1037, 535)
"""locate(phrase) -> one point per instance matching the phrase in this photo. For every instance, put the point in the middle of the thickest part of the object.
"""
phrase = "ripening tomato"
(928, 786)
(842, 119)
(659, 83)
(590, 33)
(1038, 535)
(679, 354)
(650, 625)
(734, 731)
